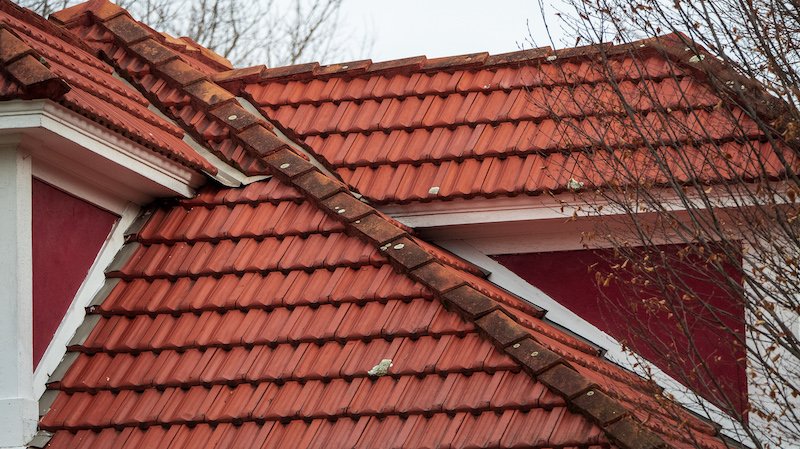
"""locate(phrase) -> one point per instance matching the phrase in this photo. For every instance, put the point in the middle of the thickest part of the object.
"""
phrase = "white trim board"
(461, 212)
(94, 153)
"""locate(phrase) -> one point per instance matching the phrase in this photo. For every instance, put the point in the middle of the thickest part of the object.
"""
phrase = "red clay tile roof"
(40, 60)
(290, 314)
(484, 126)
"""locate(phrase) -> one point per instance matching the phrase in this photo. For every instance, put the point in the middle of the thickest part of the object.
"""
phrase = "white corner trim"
(29, 116)
(18, 411)
(75, 314)
(614, 351)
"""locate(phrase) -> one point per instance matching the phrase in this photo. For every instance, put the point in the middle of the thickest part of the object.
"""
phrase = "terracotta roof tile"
(390, 128)
(263, 316)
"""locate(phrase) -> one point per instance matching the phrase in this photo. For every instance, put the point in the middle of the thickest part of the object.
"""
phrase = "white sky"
(403, 28)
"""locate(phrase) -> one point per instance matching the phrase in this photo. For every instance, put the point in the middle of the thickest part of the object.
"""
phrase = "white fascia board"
(76, 312)
(525, 208)
(614, 351)
(108, 150)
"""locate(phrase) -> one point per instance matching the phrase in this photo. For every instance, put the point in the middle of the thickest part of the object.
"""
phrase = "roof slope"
(290, 314)
(249, 318)
(484, 126)
(40, 60)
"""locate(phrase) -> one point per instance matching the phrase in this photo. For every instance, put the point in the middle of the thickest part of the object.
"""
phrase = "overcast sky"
(403, 28)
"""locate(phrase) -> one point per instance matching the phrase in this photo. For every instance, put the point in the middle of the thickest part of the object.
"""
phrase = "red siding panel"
(67, 234)
(569, 278)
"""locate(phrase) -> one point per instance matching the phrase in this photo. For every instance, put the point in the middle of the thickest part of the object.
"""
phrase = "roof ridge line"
(482, 60)
(104, 10)
(278, 158)
(28, 69)
(314, 70)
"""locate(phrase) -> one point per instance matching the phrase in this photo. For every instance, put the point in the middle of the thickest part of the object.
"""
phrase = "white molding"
(467, 213)
(482, 210)
(18, 408)
(75, 314)
(79, 145)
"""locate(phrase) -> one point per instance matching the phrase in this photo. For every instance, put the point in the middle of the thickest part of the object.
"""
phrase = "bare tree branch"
(247, 32)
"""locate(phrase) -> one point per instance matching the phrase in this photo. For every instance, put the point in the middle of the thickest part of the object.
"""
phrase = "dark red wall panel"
(67, 235)
(570, 277)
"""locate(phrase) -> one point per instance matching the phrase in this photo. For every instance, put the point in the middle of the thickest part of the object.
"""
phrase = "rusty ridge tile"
(501, 328)
(519, 56)
(585, 50)
(208, 93)
(630, 434)
(470, 301)
(235, 116)
(456, 62)
(565, 381)
(406, 64)
(103, 10)
(180, 72)
(318, 185)
(533, 356)
(346, 206)
(407, 253)
(599, 406)
(288, 163)
(260, 140)
(127, 30)
(11, 47)
(244, 74)
(377, 229)
(153, 52)
(438, 276)
(292, 71)
(38, 81)
(344, 68)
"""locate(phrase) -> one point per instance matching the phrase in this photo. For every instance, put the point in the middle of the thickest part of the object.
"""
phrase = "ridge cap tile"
(501, 328)
(208, 93)
(470, 301)
(377, 229)
(103, 10)
(153, 52)
(288, 163)
(181, 72)
(407, 253)
(126, 29)
(346, 206)
(628, 433)
(597, 404)
(438, 276)
(533, 356)
(28, 69)
(11, 46)
(565, 381)
(237, 117)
